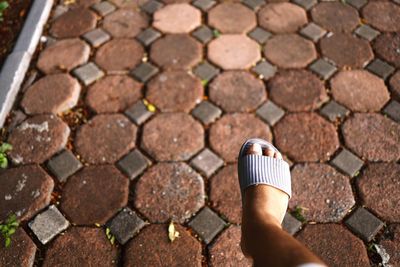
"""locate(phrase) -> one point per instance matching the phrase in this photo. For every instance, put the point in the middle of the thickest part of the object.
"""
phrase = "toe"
(254, 149)
(268, 151)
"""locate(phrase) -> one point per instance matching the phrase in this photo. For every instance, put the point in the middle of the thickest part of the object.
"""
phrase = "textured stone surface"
(313, 32)
(73, 23)
(334, 111)
(265, 70)
(260, 35)
(64, 165)
(150, 6)
(393, 110)
(104, 8)
(177, 18)
(387, 46)
(205, 71)
(125, 23)
(290, 224)
(206, 162)
(282, 17)
(380, 68)
(125, 225)
(96, 37)
(270, 113)
(366, 32)
(384, 16)
(206, 112)
(138, 112)
(395, 84)
(144, 71)
(148, 36)
(20, 253)
(88, 73)
(133, 164)
(392, 244)
(364, 224)
(323, 68)
(204, 34)
(204, 4)
(347, 162)
(207, 224)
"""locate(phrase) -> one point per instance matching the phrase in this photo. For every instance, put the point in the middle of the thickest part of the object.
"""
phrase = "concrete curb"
(14, 69)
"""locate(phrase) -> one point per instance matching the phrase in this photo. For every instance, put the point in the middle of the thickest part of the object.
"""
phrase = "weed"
(298, 213)
(3, 6)
(4, 148)
(110, 236)
(216, 33)
(8, 228)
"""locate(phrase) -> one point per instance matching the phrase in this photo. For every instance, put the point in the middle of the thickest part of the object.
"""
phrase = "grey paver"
(207, 162)
(152, 6)
(148, 36)
(334, 111)
(138, 113)
(133, 164)
(254, 4)
(367, 32)
(323, 68)
(265, 70)
(393, 110)
(204, 34)
(206, 112)
(104, 8)
(207, 224)
(144, 72)
(97, 37)
(364, 224)
(306, 4)
(260, 35)
(313, 32)
(357, 3)
(380, 68)
(58, 11)
(205, 71)
(290, 224)
(270, 113)
(64, 165)
(347, 162)
(204, 4)
(88, 73)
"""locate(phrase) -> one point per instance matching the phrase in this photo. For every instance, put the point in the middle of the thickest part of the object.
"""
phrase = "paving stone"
(282, 17)
(260, 35)
(364, 224)
(152, 6)
(58, 11)
(346, 50)
(387, 46)
(323, 68)
(153, 240)
(270, 113)
(289, 51)
(203, 34)
(125, 225)
(373, 137)
(206, 112)
(254, 4)
(229, 17)
(119, 55)
(393, 110)
(366, 32)
(298, 131)
(204, 4)
(95, 141)
(378, 187)
(380, 68)
(125, 23)
(20, 253)
(113, 94)
(138, 113)
(123, 4)
(48, 224)
(37, 139)
(335, 245)
(226, 249)
(394, 83)
(133, 164)
(290, 224)
(334, 111)
(94, 195)
(176, 51)
(313, 32)
(237, 91)
(25, 190)
(391, 244)
(347, 162)
(224, 51)
(175, 91)
(81, 245)
(357, 3)
(104, 8)
(64, 165)
(297, 90)
(359, 90)
(306, 4)
(148, 36)
(63, 56)
(169, 191)
(205, 71)
(144, 72)
(265, 70)
(206, 162)
(97, 37)
(382, 15)
(207, 224)
(165, 142)
(80, 3)
(88, 73)
(52, 94)
(227, 135)
(73, 23)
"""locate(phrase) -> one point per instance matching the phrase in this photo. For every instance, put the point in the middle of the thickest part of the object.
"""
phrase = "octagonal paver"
(237, 91)
(387, 46)
(175, 90)
(227, 135)
(282, 17)
(164, 141)
(176, 51)
(395, 84)
(37, 139)
(297, 90)
(234, 51)
(73, 23)
(94, 194)
(113, 94)
(383, 15)
(125, 23)
(306, 137)
(290, 51)
(373, 137)
(391, 244)
(24, 191)
(230, 17)
(169, 191)
(20, 253)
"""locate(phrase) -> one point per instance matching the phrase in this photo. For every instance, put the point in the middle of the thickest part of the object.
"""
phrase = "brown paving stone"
(21, 252)
(175, 1)
(128, 4)
(119, 55)
(306, 137)
(392, 244)
(297, 90)
(346, 50)
(229, 17)
(81, 246)
(387, 46)
(153, 240)
(383, 15)
(37, 139)
(335, 16)
(237, 91)
(82, 3)
(164, 141)
(335, 245)
(394, 83)
(105, 138)
(51, 94)
(359, 90)
(229, 133)
(113, 94)
(282, 17)
(24, 191)
(94, 194)
(234, 51)
(125, 23)
(373, 137)
(324, 193)
(63, 55)
(169, 191)
(176, 51)
(174, 90)
(379, 188)
(290, 51)
(73, 23)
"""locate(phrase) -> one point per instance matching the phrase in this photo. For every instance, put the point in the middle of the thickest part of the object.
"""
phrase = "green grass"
(8, 228)
(3, 6)
(4, 148)
(298, 213)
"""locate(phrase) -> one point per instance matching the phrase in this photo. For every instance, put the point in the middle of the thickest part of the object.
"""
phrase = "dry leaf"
(172, 233)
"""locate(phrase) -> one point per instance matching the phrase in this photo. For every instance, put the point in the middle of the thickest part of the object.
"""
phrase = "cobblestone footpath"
(133, 112)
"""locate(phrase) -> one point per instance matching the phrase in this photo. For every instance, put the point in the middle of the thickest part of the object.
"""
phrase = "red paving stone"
(395, 84)
(73, 23)
(177, 18)
(21, 253)
(384, 16)
(387, 46)
(282, 17)
(392, 244)
(125, 23)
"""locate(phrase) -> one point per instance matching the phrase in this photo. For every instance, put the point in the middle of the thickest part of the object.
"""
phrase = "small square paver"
(97, 37)
(270, 113)
(204, 4)
(334, 111)
(265, 70)
(48, 224)
(313, 32)
(204, 34)
(125, 225)
(88, 73)
(133, 164)
(206, 112)
(205, 71)
(144, 72)
(290, 224)
(357, 3)
(260, 35)
(393, 110)
(103, 8)
(148, 36)
(323, 68)
(207, 224)
(254, 4)
(59, 10)
(138, 112)
(380, 68)
(367, 32)
(347, 162)
(364, 224)
(152, 6)
(64, 165)
(306, 4)
(207, 162)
